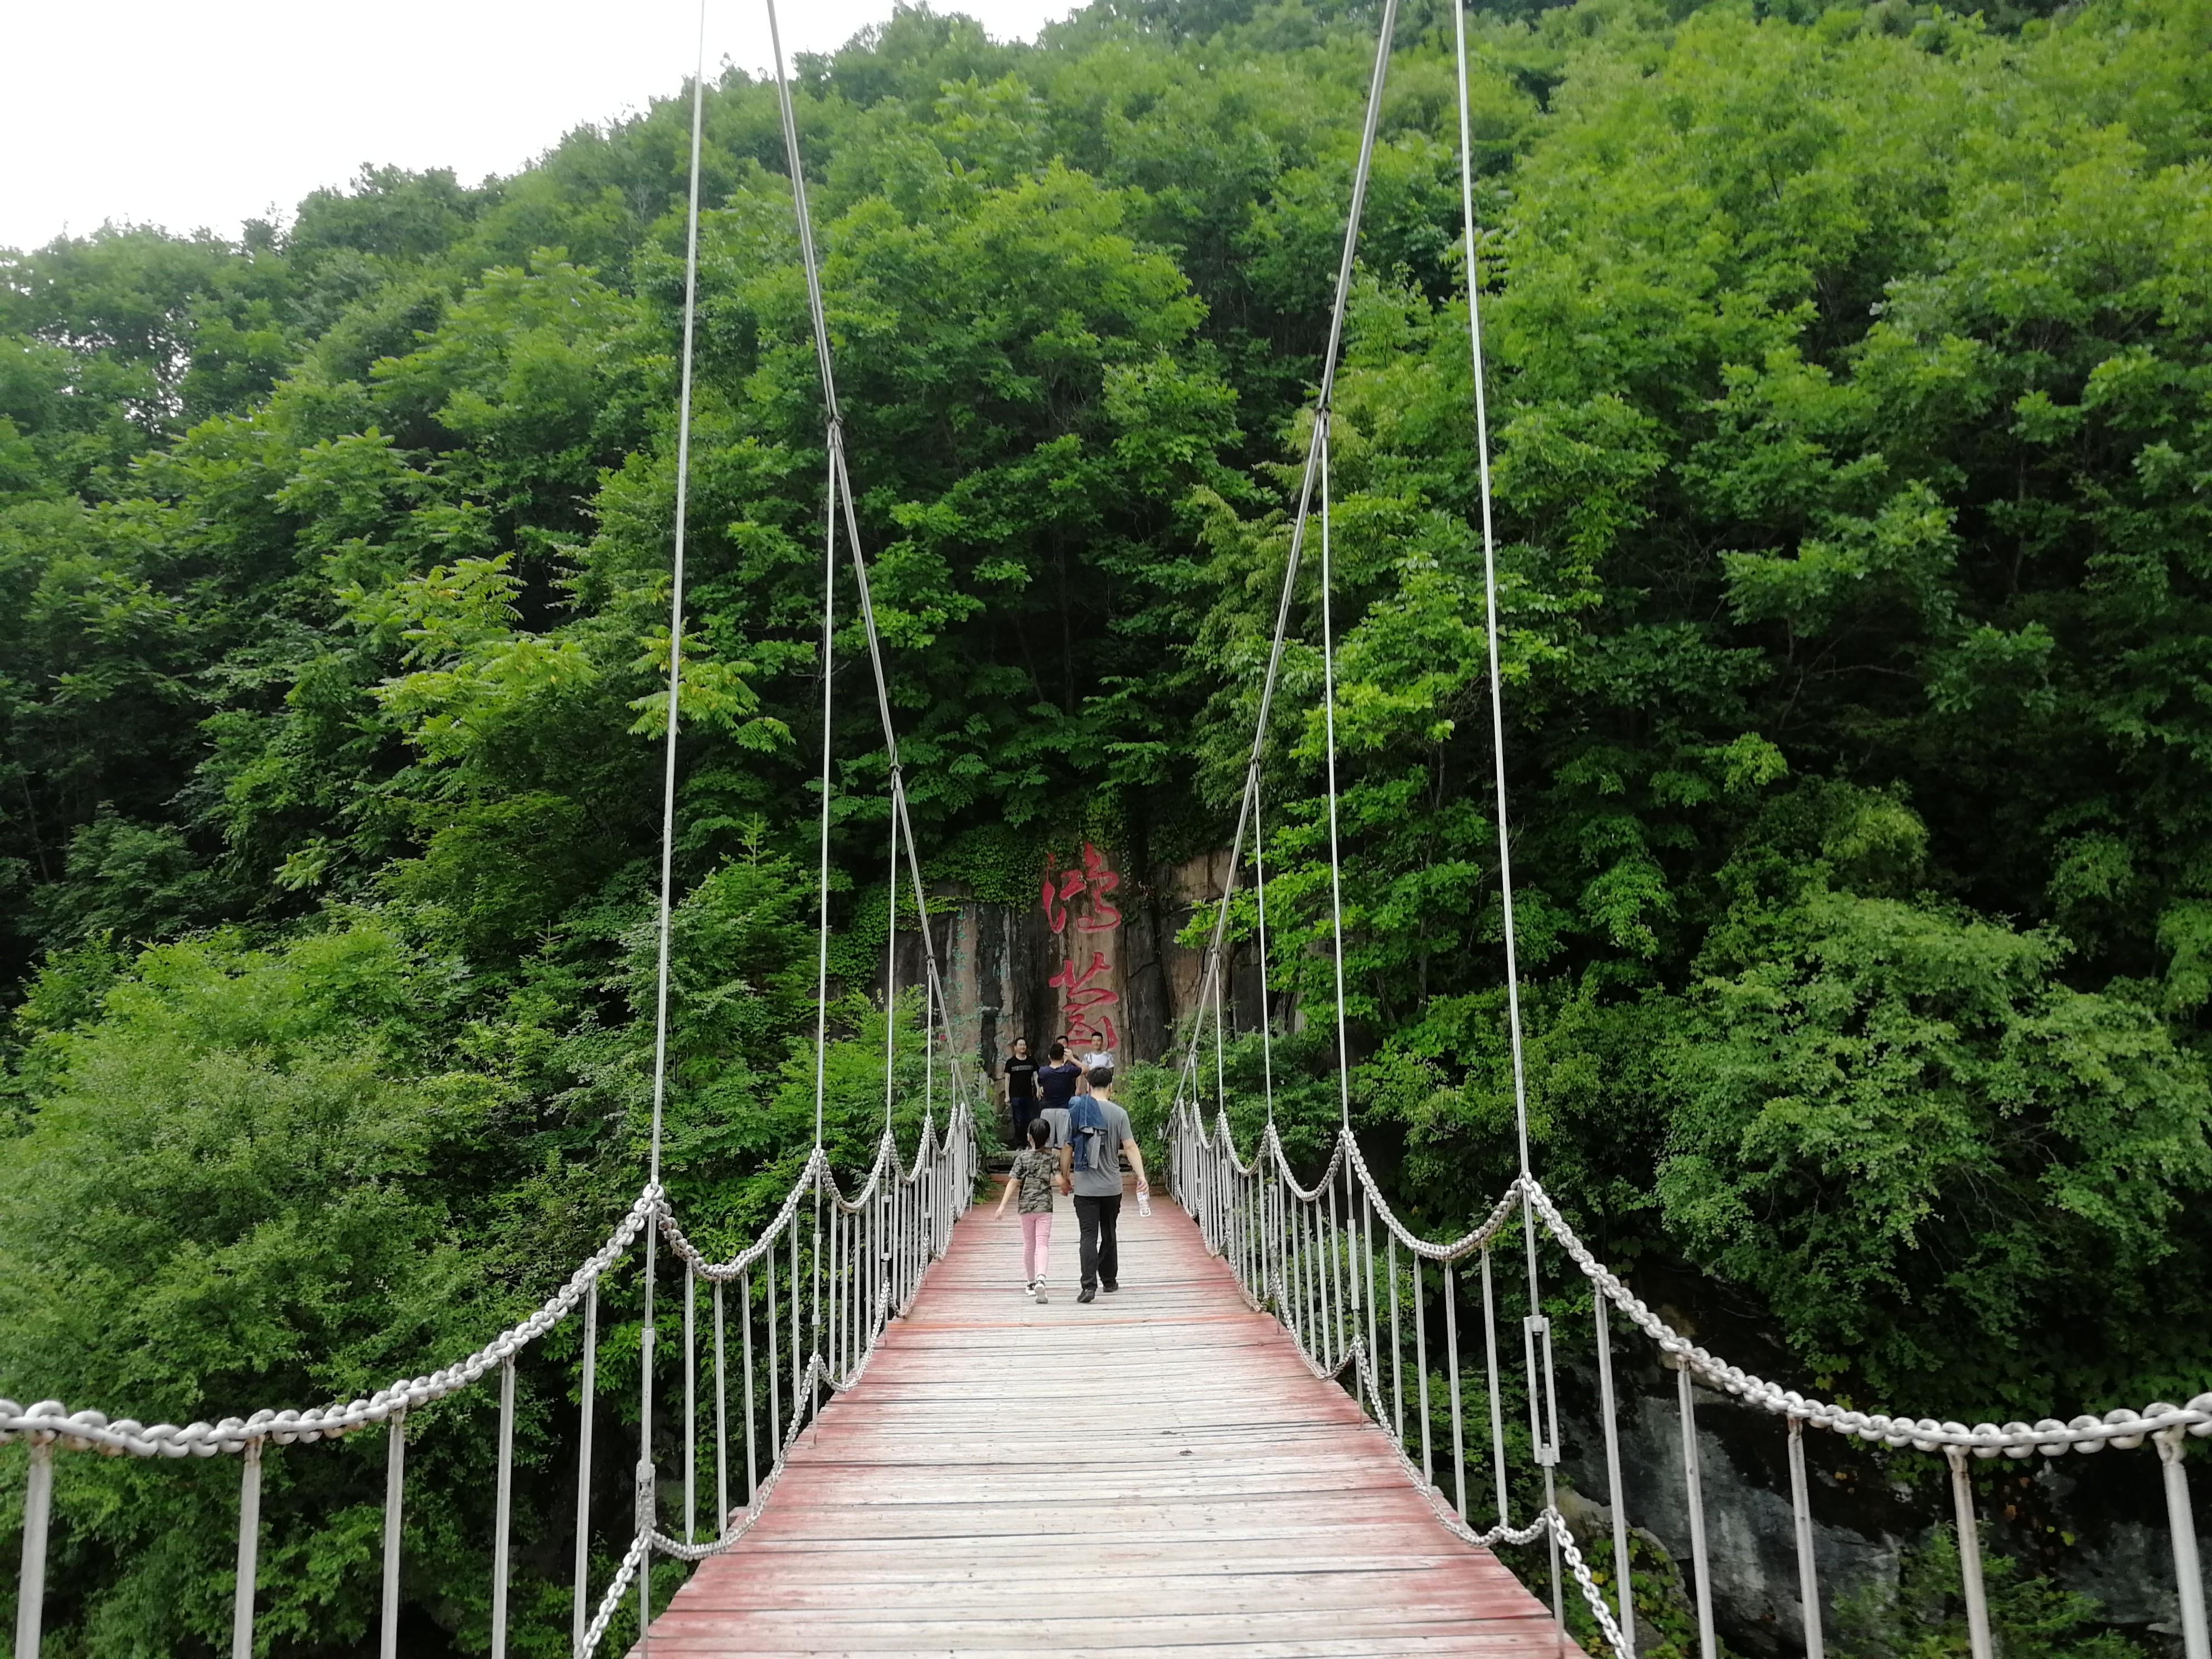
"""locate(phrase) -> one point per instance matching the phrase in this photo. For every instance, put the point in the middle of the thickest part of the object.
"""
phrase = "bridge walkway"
(1156, 1473)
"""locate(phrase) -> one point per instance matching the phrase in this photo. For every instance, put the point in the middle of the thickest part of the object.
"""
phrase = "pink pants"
(1037, 1245)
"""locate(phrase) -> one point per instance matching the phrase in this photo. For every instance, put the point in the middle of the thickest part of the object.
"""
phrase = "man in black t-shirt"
(1056, 1082)
(1018, 1077)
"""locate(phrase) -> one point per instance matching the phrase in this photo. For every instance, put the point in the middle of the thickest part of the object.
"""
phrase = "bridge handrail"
(1308, 1265)
(88, 1430)
(872, 1248)
(2122, 1428)
(82, 1431)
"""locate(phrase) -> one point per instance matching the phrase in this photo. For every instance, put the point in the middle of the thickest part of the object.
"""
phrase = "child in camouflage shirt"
(1035, 1172)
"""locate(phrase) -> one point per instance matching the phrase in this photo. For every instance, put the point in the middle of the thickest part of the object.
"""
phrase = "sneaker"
(1087, 1295)
(1110, 1289)
(1041, 1297)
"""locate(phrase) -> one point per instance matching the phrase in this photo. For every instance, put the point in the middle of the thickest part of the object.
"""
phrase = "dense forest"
(1852, 405)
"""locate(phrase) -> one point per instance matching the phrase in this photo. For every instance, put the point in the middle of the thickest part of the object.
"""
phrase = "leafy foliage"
(1924, 1616)
(1849, 384)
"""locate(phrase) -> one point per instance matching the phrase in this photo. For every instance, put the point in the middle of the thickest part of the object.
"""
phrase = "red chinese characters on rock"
(1092, 881)
(1081, 894)
(1084, 1002)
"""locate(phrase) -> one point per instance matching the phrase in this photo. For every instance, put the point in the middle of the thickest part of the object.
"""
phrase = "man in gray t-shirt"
(1098, 1192)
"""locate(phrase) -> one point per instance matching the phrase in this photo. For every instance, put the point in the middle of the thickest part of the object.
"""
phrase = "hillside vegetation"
(1853, 414)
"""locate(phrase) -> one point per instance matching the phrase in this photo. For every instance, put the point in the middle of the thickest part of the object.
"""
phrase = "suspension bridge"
(1160, 1471)
(1260, 1446)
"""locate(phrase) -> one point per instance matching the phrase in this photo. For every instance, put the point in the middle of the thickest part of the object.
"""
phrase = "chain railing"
(1310, 1253)
(812, 1295)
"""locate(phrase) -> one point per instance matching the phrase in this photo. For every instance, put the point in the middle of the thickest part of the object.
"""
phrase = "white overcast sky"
(212, 112)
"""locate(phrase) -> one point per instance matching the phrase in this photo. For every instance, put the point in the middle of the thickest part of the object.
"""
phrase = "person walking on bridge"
(1031, 1178)
(1098, 1137)
(1017, 1078)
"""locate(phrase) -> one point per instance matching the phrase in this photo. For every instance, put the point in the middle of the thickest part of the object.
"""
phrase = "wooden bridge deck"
(1156, 1473)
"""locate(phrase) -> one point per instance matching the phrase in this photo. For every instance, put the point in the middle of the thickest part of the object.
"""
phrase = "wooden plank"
(1154, 1473)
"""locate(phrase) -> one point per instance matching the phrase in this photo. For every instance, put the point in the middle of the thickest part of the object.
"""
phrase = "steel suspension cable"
(676, 599)
(1362, 173)
(1497, 681)
(841, 498)
(1537, 1329)
(829, 572)
(1335, 860)
(891, 976)
(1490, 623)
(1267, 1002)
(899, 803)
(821, 935)
(668, 780)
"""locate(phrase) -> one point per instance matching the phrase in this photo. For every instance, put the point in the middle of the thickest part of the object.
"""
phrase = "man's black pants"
(1098, 1224)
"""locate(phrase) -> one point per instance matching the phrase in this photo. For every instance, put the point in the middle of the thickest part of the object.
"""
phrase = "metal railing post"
(581, 1616)
(1340, 1272)
(1533, 1327)
(1808, 1582)
(2188, 1573)
(395, 1472)
(249, 1551)
(798, 1342)
(1253, 1220)
(1497, 1398)
(1421, 1369)
(690, 1408)
(745, 1323)
(502, 1514)
(1324, 1329)
(1609, 1408)
(1344, 1319)
(722, 1426)
(1544, 1431)
(1458, 1433)
(775, 1362)
(1367, 1255)
(1970, 1558)
(644, 1507)
(1270, 1243)
(38, 1510)
(1694, 1485)
(1397, 1348)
